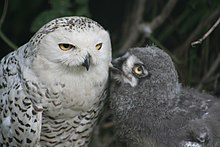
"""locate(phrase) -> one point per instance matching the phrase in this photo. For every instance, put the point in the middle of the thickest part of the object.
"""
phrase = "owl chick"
(52, 88)
(150, 107)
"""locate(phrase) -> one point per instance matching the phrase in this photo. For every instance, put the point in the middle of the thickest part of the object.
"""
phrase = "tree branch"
(148, 28)
(206, 34)
(7, 41)
(4, 13)
(210, 72)
(133, 24)
(185, 46)
(136, 27)
(2, 35)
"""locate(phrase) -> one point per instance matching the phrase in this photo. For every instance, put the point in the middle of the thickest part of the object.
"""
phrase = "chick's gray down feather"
(151, 108)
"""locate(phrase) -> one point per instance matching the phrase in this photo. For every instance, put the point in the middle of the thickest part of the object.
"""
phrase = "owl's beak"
(86, 62)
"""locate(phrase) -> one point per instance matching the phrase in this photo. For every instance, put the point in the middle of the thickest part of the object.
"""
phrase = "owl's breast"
(71, 95)
(82, 97)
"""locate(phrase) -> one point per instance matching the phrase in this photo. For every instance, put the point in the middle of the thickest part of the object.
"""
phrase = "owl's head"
(143, 73)
(77, 42)
(144, 64)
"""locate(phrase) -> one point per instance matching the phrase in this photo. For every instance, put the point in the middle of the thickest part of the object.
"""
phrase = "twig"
(206, 34)
(137, 27)
(7, 41)
(211, 71)
(133, 23)
(4, 13)
(215, 84)
(183, 49)
(148, 28)
(2, 35)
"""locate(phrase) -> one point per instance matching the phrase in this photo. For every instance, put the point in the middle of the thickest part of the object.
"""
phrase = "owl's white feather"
(61, 97)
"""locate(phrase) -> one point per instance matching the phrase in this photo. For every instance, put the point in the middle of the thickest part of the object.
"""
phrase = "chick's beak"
(86, 62)
(117, 63)
(116, 66)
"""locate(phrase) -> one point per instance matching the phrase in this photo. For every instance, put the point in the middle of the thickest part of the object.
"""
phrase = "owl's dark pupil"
(66, 45)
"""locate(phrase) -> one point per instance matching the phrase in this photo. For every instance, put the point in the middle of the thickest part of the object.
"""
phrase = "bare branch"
(148, 28)
(2, 35)
(185, 46)
(211, 71)
(133, 23)
(206, 34)
(7, 41)
(4, 13)
(135, 26)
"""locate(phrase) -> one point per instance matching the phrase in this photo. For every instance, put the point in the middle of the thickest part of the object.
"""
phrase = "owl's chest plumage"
(69, 88)
(71, 118)
(71, 101)
(73, 94)
(69, 121)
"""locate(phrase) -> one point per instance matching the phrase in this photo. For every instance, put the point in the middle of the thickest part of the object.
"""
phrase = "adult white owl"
(53, 88)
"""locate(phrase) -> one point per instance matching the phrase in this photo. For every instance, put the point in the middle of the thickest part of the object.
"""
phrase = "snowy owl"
(151, 108)
(53, 88)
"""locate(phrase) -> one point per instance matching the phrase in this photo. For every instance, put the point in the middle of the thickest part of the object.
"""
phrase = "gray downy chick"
(151, 108)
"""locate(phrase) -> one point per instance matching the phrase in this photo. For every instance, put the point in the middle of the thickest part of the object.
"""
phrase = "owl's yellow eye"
(138, 69)
(98, 46)
(66, 46)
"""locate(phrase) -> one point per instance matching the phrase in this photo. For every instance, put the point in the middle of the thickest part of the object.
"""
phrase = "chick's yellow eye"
(98, 46)
(66, 46)
(138, 69)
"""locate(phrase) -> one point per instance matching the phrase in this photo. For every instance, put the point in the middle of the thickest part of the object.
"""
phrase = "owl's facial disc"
(128, 69)
(86, 62)
(67, 47)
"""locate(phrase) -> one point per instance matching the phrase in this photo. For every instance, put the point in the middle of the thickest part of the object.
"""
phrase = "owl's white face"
(73, 48)
(75, 52)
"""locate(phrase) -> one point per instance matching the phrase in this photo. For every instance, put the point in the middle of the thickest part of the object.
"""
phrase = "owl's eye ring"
(138, 69)
(66, 46)
(98, 46)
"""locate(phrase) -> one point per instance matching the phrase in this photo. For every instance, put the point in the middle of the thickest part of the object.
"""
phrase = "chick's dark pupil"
(139, 68)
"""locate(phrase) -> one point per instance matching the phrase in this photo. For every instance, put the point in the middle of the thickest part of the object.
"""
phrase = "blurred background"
(172, 25)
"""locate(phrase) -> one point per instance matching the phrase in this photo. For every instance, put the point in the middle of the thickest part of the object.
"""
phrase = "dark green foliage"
(25, 17)
(60, 8)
